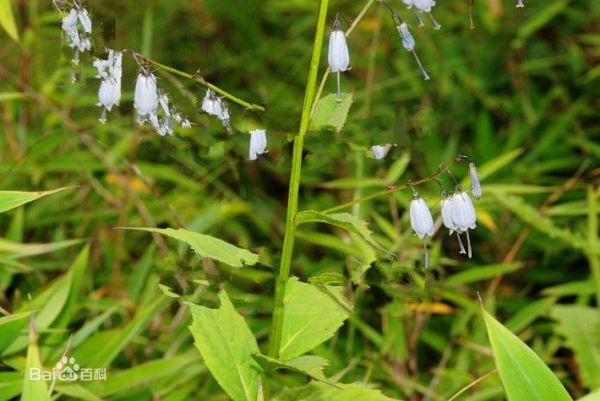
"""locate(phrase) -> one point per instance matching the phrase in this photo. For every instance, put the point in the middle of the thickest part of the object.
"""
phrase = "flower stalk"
(292, 208)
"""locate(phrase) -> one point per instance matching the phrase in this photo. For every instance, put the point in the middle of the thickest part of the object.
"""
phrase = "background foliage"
(519, 94)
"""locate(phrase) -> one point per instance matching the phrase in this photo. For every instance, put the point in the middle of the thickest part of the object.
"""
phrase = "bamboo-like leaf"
(207, 246)
(311, 316)
(524, 376)
(7, 20)
(330, 114)
(227, 345)
(580, 325)
(10, 327)
(12, 199)
(33, 390)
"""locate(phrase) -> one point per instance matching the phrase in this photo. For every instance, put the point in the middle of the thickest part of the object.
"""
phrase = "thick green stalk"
(292, 208)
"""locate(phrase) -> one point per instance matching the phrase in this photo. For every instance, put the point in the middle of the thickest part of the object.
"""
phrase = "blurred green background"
(518, 94)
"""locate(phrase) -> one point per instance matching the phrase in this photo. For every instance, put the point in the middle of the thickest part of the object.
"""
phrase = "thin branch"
(479, 380)
(394, 188)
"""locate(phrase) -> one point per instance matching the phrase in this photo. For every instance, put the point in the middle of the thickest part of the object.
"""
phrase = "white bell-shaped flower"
(475, 184)
(215, 106)
(520, 4)
(77, 28)
(110, 71)
(421, 222)
(258, 143)
(463, 212)
(338, 56)
(145, 97)
(446, 210)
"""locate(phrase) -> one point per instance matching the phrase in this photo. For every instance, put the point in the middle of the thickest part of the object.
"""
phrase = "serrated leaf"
(226, 345)
(7, 20)
(330, 114)
(207, 246)
(311, 316)
(580, 325)
(524, 375)
(343, 220)
(12, 199)
(308, 365)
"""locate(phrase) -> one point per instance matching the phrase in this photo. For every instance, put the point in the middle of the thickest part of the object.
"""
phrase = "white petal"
(420, 218)
(338, 56)
(258, 143)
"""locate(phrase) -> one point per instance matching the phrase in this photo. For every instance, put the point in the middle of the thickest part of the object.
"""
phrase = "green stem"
(205, 83)
(292, 208)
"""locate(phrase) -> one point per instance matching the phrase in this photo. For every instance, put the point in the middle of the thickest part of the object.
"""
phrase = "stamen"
(469, 245)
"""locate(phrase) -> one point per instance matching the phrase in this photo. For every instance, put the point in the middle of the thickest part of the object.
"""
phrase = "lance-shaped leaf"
(7, 20)
(12, 199)
(33, 390)
(226, 345)
(323, 392)
(207, 246)
(343, 220)
(524, 376)
(331, 114)
(310, 317)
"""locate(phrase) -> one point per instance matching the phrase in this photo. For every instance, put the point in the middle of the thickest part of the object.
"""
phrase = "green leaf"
(207, 246)
(532, 216)
(580, 325)
(12, 199)
(7, 20)
(10, 327)
(324, 392)
(15, 250)
(311, 316)
(524, 375)
(480, 273)
(33, 390)
(167, 291)
(343, 220)
(308, 365)
(226, 345)
(330, 114)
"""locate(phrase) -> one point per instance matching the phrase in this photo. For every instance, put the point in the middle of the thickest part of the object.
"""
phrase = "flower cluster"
(457, 213)
(110, 72)
(77, 30)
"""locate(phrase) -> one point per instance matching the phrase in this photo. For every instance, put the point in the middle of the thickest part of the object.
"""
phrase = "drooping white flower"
(408, 42)
(424, 5)
(77, 29)
(446, 210)
(338, 56)
(258, 143)
(145, 97)
(110, 71)
(421, 222)
(185, 123)
(215, 106)
(520, 4)
(475, 184)
(463, 215)
(463, 212)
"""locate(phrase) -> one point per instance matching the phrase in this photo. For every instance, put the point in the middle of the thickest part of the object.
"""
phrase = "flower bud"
(338, 56)
(475, 184)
